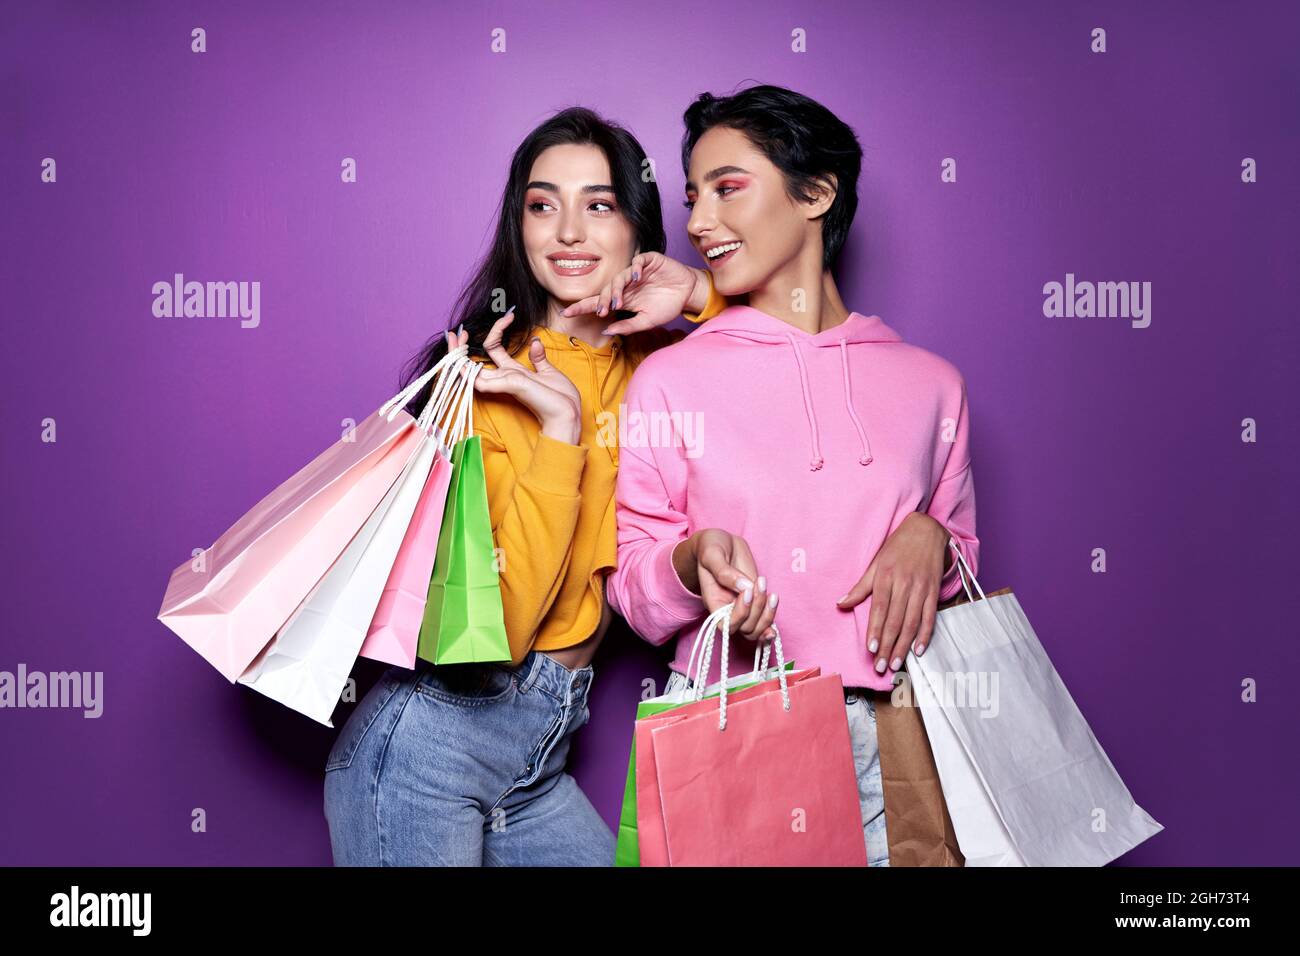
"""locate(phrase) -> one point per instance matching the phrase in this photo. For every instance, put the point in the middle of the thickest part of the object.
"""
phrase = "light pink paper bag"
(762, 777)
(229, 602)
(253, 577)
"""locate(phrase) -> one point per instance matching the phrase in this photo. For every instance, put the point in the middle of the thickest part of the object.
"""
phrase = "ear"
(823, 190)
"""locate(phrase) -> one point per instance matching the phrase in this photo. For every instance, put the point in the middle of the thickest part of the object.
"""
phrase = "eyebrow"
(713, 174)
(551, 187)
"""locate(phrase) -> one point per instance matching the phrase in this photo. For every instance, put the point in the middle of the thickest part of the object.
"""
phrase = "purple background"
(1087, 432)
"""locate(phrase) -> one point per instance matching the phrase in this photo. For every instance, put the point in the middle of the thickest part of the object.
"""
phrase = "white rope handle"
(762, 656)
(964, 569)
(722, 618)
(461, 410)
(444, 390)
(403, 398)
(464, 426)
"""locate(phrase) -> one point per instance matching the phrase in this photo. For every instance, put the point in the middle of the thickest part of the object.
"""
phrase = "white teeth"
(722, 250)
(573, 263)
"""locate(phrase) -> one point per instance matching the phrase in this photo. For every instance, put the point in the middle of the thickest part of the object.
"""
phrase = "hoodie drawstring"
(817, 461)
(848, 403)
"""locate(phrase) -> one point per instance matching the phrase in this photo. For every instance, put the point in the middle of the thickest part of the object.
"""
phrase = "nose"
(572, 229)
(701, 221)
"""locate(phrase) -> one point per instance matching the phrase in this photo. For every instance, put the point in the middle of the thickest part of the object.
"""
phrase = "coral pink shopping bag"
(762, 777)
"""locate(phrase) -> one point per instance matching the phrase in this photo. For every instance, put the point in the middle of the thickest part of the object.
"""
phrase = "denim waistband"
(542, 672)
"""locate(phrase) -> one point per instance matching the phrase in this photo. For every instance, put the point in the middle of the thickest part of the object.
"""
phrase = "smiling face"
(743, 222)
(575, 236)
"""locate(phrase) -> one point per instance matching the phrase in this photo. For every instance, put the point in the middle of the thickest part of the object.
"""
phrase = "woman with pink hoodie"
(789, 455)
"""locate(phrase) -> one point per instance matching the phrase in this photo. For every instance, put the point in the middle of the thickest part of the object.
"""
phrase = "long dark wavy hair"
(505, 266)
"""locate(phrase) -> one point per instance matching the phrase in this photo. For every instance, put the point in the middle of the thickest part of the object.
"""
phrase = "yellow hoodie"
(552, 503)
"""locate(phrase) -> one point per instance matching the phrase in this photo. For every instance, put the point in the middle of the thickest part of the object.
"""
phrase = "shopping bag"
(761, 777)
(1025, 780)
(917, 823)
(228, 602)
(464, 620)
(306, 665)
(626, 852)
(395, 628)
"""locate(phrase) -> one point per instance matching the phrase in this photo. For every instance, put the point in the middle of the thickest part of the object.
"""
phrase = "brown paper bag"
(919, 830)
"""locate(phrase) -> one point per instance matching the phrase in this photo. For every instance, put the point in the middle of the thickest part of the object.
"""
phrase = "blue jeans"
(860, 708)
(463, 765)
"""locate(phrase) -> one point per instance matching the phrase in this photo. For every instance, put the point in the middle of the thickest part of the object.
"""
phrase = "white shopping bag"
(306, 665)
(1025, 781)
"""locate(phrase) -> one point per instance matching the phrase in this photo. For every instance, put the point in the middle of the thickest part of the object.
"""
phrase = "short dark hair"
(801, 137)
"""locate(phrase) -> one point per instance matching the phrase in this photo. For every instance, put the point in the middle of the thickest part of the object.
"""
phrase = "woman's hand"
(543, 389)
(904, 581)
(719, 566)
(655, 287)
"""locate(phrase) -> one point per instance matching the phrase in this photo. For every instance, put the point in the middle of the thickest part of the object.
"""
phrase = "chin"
(734, 285)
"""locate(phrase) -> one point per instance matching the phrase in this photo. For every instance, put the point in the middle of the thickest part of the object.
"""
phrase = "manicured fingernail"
(618, 302)
(771, 602)
(880, 666)
(606, 331)
(842, 600)
(747, 594)
(744, 583)
(920, 649)
(762, 583)
(898, 662)
(461, 329)
(873, 646)
(635, 276)
(601, 311)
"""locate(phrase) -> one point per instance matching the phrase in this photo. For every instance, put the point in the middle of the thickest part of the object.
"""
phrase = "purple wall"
(1088, 432)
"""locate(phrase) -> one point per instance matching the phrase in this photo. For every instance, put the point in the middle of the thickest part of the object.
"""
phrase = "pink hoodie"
(813, 448)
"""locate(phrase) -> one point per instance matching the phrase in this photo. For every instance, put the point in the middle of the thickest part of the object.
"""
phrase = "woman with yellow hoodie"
(463, 764)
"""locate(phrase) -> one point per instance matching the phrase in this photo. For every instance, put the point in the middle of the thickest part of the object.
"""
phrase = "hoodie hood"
(758, 328)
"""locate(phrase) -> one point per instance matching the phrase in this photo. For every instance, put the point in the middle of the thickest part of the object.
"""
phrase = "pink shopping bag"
(394, 633)
(395, 630)
(229, 602)
(774, 786)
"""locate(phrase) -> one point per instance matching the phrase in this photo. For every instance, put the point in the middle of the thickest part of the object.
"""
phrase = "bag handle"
(961, 564)
(403, 398)
(722, 618)
(462, 415)
(701, 677)
(446, 387)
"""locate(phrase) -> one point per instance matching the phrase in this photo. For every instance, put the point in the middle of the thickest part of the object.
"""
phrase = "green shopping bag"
(463, 617)
(626, 851)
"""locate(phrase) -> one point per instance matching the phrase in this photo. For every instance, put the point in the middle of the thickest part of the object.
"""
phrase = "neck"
(588, 327)
(803, 294)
